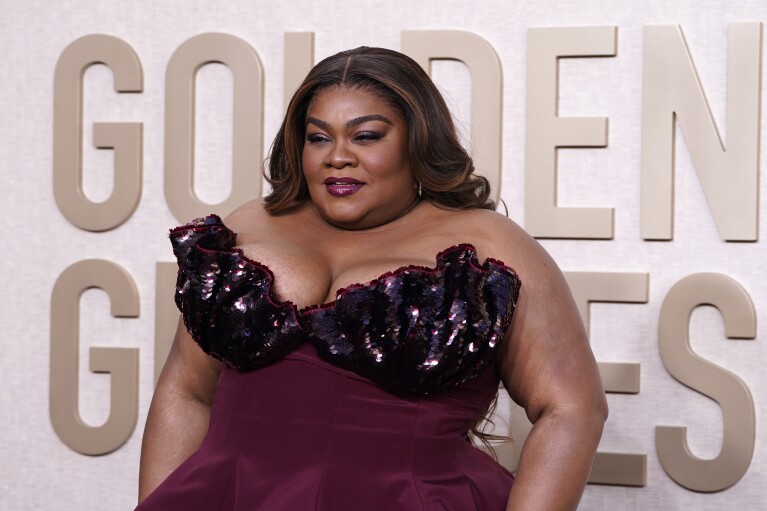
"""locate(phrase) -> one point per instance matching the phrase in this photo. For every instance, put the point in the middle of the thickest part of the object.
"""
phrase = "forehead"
(345, 102)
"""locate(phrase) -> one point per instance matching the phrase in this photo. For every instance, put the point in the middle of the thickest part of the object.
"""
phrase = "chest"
(415, 330)
(312, 273)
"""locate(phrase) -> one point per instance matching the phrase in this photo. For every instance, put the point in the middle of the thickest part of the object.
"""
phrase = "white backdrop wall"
(38, 471)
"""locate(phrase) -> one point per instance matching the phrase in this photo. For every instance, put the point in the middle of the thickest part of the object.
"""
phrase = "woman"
(365, 401)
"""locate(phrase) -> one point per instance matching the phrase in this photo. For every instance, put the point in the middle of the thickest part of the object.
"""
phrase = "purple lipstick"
(342, 186)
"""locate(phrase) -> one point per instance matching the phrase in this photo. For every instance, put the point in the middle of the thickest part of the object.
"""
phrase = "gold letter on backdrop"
(728, 172)
(588, 287)
(121, 363)
(248, 120)
(124, 138)
(298, 61)
(423, 46)
(732, 394)
(622, 378)
(621, 469)
(546, 132)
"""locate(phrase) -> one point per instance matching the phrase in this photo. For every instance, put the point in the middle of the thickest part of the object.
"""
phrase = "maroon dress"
(363, 403)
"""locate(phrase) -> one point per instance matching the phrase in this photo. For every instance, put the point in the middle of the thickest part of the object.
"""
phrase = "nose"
(340, 156)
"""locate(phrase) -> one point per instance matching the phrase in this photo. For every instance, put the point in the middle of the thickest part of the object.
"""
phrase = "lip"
(342, 186)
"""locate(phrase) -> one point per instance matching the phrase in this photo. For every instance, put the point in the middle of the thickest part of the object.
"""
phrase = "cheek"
(307, 161)
(390, 164)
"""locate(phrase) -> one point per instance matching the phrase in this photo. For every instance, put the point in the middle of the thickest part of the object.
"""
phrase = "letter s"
(726, 388)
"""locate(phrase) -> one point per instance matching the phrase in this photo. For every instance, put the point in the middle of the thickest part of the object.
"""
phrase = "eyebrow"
(351, 123)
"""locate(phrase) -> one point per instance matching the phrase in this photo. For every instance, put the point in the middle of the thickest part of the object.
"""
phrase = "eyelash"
(366, 136)
(315, 139)
(363, 136)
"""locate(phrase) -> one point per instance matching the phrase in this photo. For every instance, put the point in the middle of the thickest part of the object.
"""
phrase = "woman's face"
(355, 159)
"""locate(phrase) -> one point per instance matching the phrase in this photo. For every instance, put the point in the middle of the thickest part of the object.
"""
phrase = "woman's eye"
(367, 136)
(315, 138)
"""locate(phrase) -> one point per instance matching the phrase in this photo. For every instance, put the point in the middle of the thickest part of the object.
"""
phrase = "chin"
(342, 215)
(349, 221)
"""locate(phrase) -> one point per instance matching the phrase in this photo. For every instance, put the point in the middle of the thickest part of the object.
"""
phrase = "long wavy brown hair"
(439, 163)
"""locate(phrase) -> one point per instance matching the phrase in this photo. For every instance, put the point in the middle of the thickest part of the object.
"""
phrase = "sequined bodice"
(414, 330)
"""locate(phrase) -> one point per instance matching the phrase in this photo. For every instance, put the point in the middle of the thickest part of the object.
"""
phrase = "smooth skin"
(327, 243)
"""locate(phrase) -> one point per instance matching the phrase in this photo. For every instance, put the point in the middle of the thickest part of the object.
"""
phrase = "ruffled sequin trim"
(226, 301)
(441, 256)
(414, 329)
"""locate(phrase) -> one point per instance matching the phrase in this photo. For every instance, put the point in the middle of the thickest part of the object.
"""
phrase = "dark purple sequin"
(415, 330)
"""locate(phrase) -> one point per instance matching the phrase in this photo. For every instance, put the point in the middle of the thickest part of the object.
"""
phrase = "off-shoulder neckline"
(200, 224)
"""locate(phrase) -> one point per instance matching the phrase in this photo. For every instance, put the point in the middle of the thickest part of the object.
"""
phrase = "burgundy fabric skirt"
(302, 434)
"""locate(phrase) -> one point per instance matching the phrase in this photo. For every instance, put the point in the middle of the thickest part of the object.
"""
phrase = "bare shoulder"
(248, 217)
(502, 238)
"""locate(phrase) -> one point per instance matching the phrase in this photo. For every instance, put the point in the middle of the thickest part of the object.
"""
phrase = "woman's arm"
(179, 413)
(548, 368)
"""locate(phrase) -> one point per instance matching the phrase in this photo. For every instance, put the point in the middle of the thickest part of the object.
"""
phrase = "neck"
(389, 223)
